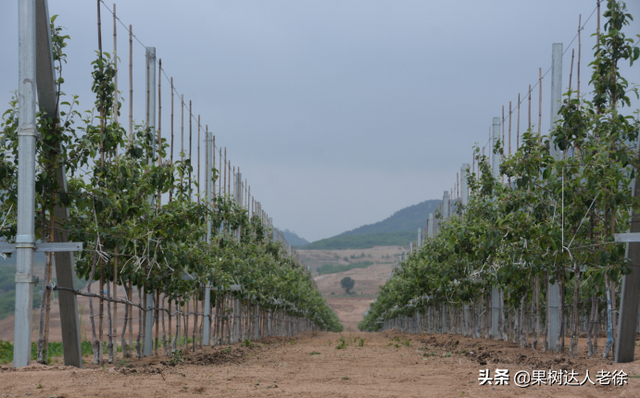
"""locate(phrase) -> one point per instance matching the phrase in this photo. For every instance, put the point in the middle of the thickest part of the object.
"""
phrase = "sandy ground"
(389, 364)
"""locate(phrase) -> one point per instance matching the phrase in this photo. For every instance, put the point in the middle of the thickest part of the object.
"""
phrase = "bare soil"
(389, 364)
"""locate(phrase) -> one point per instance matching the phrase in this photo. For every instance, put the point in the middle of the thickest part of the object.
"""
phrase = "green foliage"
(114, 197)
(556, 219)
(342, 344)
(335, 268)
(347, 284)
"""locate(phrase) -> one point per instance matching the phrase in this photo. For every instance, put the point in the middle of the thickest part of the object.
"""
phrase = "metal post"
(495, 168)
(419, 237)
(151, 123)
(556, 97)
(25, 239)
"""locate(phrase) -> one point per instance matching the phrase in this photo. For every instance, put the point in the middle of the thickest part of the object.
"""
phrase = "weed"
(407, 343)
(447, 355)
(177, 357)
(345, 378)
(226, 350)
(247, 343)
(397, 345)
(361, 342)
(342, 345)
(315, 353)
(292, 342)
(39, 384)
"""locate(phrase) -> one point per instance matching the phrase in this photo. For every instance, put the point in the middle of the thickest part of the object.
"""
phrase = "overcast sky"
(338, 113)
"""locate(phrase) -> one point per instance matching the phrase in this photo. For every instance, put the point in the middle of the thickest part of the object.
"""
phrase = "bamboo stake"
(518, 126)
(171, 160)
(159, 118)
(198, 176)
(579, 55)
(101, 307)
(115, 118)
(115, 92)
(190, 144)
(510, 113)
(529, 126)
(182, 128)
(130, 84)
(540, 103)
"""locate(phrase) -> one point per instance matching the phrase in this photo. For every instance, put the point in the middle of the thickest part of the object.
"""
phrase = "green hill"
(396, 230)
(408, 219)
(366, 241)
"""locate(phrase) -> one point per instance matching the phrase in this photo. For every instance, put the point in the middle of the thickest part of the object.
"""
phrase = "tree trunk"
(109, 326)
(576, 298)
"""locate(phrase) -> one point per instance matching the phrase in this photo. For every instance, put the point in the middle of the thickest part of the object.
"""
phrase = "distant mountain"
(365, 241)
(396, 230)
(293, 239)
(408, 219)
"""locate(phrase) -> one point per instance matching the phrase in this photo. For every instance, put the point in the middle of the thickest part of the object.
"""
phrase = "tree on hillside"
(347, 284)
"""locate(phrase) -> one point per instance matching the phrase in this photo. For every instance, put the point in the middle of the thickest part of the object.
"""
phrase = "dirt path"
(389, 364)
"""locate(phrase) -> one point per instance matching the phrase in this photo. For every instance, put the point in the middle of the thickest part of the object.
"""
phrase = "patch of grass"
(334, 268)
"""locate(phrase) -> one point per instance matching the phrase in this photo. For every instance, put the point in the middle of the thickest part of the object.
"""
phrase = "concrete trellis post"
(495, 168)
(628, 320)
(151, 123)
(431, 231)
(445, 206)
(206, 328)
(419, 238)
(556, 97)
